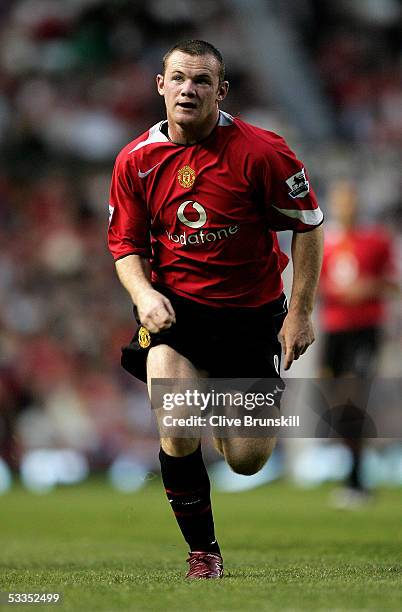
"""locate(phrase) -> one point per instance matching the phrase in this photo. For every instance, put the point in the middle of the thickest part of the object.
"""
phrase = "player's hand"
(155, 311)
(296, 335)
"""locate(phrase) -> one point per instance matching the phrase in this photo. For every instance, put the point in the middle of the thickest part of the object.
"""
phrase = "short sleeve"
(129, 226)
(290, 200)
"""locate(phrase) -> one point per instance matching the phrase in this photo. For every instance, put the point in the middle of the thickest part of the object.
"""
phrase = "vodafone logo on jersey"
(201, 211)
(203, 236)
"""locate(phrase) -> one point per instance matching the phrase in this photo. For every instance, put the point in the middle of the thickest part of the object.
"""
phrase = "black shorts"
(225, 342)
(351, 352)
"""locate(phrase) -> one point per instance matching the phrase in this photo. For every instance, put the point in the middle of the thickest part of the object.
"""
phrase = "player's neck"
(189, 135)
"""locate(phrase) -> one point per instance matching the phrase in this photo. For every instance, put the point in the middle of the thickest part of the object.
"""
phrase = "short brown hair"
(197, 47)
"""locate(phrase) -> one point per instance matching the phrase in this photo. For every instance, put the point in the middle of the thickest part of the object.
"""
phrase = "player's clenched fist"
(155, 311)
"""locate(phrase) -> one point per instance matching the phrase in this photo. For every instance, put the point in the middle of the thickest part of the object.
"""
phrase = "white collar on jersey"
(155, 133)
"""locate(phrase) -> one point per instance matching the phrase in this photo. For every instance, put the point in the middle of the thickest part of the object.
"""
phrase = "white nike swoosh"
(144, 174)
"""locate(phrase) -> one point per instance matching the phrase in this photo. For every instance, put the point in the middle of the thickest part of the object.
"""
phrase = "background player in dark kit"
(194, 208)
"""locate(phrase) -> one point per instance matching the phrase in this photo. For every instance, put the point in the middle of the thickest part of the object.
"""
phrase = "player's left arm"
(291, 204)
(297, 332)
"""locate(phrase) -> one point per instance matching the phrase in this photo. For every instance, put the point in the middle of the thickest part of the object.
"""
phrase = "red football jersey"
(357, 255)
(207, 214)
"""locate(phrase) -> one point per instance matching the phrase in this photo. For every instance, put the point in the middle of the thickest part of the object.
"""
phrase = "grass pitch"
(284, 549)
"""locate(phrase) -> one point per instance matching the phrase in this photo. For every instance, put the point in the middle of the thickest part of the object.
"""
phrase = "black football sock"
(188, 490)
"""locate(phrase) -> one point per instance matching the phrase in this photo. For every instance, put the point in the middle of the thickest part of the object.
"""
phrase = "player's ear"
(222, 91)
(160, 84)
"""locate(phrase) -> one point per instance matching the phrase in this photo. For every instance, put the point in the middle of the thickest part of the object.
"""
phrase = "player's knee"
(246, 464)
(179, 447)
(247, 457)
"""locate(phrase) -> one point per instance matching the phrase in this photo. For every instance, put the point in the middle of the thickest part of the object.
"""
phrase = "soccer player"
(358, 274)
(194, 208)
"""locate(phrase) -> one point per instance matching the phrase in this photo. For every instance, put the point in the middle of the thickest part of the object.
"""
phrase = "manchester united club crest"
(186, 177)
(144, 337)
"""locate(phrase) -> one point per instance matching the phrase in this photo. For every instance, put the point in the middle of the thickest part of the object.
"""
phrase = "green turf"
(284, 549)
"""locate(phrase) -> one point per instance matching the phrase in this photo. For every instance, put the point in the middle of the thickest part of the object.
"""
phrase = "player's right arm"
(154, 309)
(129, 243)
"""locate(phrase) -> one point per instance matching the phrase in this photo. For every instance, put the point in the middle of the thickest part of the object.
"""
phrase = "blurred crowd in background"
(76, 84)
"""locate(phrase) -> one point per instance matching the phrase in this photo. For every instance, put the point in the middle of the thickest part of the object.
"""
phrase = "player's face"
(191, 89)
